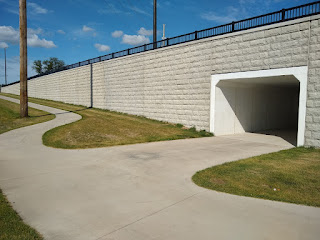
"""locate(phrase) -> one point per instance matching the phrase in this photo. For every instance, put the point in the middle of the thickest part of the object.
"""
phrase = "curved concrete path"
(141, 191)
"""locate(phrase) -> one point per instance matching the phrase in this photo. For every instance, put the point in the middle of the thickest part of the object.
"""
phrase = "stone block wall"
(169, 85)
(70, 86)
(173, 84)
(312, 134)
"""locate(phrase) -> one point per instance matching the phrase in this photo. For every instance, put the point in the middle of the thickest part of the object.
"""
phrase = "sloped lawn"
(103, 128)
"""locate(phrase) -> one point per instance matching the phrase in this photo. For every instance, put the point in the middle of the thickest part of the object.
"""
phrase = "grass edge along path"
(103, 128)
(10, 116)
(11, 225)
(291, 176)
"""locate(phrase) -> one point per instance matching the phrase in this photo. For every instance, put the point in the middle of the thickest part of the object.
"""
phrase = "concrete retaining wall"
(70, 86)
(173, 84)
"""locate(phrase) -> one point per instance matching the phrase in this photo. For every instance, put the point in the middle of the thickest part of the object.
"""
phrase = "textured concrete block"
(173, 84)
(304, 26)
(291, 28)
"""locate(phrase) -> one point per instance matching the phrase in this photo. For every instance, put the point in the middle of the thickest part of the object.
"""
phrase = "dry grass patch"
(102, 128)
(99, 128)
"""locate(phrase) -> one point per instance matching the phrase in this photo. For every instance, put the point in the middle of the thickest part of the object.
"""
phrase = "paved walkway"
(141, 191)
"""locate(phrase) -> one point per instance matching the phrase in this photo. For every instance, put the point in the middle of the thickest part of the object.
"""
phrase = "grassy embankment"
(103, 128)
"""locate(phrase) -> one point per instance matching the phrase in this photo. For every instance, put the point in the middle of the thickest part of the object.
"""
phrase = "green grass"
(289, 176)
(12, 226)
(103, 128)
(10, 116)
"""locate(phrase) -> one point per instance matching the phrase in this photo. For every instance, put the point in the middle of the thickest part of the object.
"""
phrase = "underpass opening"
(271, 102)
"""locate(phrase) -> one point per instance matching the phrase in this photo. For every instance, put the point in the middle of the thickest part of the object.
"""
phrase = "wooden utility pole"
(154, 24)
(23, 59)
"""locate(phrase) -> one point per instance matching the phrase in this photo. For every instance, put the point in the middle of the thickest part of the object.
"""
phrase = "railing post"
(271, 18)
(91, 86)
(283, 13)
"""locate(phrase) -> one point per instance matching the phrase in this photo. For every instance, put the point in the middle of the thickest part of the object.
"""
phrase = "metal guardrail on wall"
(249, 23)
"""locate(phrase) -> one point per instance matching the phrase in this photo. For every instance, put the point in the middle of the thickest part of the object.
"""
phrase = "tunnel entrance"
(268, 104)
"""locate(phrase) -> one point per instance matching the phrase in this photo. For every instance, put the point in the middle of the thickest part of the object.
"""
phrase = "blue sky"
(76, 30)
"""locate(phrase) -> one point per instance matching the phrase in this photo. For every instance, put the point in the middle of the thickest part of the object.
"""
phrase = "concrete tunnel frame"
(300, 73)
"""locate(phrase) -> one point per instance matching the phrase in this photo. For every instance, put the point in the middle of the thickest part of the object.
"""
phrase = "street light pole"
(5, 66)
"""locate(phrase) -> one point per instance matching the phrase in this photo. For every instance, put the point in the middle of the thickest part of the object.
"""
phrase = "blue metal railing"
(249, 23)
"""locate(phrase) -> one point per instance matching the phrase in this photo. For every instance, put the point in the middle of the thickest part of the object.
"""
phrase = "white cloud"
(232, 14)
(14, 11)
(35, 41)
(35, 31)
(139, 10)
(11, 6)
(145, 32)
(87, 29)
(35, 8)
(101, 47)
(211, 16)
(61, 31)
(135, 39)
(13, 69)
(109, 8)
(117, 34)
(3, 45)
(248, 1)
(10, 35)
(240, 9)
(84, 31)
